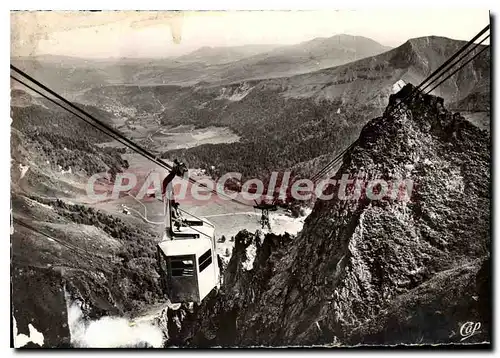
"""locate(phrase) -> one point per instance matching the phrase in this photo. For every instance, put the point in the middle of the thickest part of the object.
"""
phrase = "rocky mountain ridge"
(372, 271)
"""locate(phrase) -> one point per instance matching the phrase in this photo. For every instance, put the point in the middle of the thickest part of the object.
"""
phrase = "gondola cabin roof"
(185, 246)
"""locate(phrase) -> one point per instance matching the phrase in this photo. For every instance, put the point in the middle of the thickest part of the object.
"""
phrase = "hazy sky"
(157, 34)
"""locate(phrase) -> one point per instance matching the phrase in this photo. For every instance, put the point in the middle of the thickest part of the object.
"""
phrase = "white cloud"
(111, 332)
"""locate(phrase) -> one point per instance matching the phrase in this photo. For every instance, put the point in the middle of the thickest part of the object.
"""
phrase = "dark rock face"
(409, 270)
(433, 312)
(44, 308)
(217, 320)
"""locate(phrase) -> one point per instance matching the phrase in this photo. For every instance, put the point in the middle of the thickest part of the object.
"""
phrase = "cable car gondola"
(187, 256)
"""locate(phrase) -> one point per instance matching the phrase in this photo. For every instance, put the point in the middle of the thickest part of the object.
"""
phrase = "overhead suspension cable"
(455, 63)
(331, 163)
(70, 247)
(438, 73)
(111, 134)
(104, 127)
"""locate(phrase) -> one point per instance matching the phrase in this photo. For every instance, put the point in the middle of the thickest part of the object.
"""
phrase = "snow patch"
(23, 169)
(64, 171)
(307, 212)
(282, 223)
(396, 87)
(110, 332)
(250, 252)
(237, 94)
(20, 340)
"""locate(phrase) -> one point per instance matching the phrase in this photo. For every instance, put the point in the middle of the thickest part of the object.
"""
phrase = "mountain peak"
(356, 259)
(430, 39)
(435, 42)
(345, 40)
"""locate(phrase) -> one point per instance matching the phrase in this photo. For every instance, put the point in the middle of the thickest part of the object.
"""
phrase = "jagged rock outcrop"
(434, 311)
(215, 322)
(38, 300)
(409, 270)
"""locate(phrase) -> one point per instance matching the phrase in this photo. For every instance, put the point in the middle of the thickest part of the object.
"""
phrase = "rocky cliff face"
(409, 270)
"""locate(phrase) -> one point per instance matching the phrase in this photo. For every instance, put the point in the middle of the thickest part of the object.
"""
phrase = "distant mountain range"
(220, 55)
(372, 77)
(305, 57)
(218, 64)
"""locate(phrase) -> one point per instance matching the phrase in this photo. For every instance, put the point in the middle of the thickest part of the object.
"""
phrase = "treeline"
(65, 141)
(56, 120)
(79, 155)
